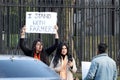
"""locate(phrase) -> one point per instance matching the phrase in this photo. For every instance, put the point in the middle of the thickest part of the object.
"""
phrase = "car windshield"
(25, 68)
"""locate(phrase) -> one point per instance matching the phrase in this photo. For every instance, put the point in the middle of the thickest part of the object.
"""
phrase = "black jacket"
(45, 52)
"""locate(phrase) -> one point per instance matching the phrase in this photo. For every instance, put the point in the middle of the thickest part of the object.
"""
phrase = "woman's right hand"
(23, 31)
(56, 32)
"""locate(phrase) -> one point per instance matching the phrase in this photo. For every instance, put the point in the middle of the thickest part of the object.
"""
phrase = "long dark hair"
(42, 53)
(58, 53)
(34, 44)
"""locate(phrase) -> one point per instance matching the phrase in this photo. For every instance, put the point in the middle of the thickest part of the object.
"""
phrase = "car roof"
(39, 65)
(51, 78)
(15, 57)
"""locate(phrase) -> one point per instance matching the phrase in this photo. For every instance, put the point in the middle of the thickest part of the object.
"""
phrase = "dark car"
(17, 67)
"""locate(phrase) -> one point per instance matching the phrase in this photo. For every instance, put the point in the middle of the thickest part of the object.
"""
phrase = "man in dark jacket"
(37, 50)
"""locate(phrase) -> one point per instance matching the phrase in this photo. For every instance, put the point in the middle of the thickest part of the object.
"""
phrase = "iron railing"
(82, 24)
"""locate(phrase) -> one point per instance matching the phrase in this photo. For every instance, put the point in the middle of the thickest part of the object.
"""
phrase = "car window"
(25, 68)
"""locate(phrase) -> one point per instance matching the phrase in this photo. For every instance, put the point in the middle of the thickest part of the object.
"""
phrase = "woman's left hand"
(70, 63)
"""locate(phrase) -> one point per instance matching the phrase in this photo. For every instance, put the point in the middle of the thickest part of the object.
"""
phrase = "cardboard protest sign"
(41, 22)
(85, 68)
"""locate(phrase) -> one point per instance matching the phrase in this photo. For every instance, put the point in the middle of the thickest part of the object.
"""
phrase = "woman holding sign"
(37, 50)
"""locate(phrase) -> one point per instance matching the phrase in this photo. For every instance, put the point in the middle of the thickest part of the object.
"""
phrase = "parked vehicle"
(17, 67)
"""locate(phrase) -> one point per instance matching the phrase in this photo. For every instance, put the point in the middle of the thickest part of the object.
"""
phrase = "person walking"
(102, 66)
(38, 51)
(63, 63)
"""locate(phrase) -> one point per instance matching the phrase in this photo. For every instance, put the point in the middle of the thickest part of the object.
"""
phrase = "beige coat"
(69, 70)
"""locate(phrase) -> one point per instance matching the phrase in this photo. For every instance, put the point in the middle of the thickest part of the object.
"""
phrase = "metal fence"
(82, 24)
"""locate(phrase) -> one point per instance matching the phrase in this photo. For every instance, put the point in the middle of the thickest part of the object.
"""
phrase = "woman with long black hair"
(63, 63)
(38, 51)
